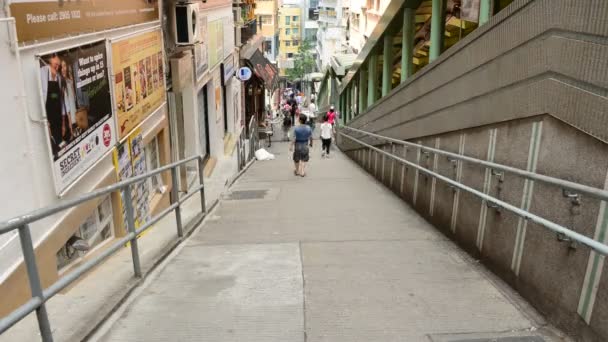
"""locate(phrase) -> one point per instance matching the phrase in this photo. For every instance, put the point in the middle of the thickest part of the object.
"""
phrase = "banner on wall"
(201, 58)
(139, 84)
(75, 91)
(40, 19)
(130, 161)
(216, 42)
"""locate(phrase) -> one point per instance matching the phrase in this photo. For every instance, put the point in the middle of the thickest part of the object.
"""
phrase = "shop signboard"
(46, 19)
(228, 68)
(75, 91)
(264, 70)
(200, 49)
(139, 82)
(216, 42)
(130, 161)
(244, 74)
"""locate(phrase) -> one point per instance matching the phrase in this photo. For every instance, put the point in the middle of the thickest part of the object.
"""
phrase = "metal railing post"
(131, 228)
(29, 257)
(201, 179)
(175, 199)
(238, 153)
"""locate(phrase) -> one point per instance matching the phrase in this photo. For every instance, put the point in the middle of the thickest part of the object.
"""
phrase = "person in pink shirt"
(331, 115)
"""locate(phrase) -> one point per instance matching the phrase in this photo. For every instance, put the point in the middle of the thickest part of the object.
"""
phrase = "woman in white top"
(326, 135)
(312, 108)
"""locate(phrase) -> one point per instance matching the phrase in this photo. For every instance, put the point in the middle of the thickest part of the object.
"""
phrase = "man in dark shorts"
(302, 138)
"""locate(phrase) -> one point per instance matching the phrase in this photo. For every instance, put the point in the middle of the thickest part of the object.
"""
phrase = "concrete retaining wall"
(555, 276)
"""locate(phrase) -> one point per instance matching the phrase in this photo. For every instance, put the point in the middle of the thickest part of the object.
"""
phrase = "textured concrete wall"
(551, 274)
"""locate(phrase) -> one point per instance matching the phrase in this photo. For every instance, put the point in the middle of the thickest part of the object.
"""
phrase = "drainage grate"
(246, 195)
(504, 339)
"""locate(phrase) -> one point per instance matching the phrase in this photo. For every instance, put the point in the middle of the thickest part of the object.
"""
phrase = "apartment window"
(296, 43)
(266, 19)
(153, 162)
(287, 20)
(289, 55)
(287, 43)
(287, 31)
(95, 230)
(295, 30)
(295, 18)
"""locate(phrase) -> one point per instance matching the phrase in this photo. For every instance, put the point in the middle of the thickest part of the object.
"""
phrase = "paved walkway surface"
(333, 256)
(75, 312)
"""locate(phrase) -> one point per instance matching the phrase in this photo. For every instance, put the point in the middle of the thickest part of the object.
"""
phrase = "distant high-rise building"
(362, 19)
(331, 35)
(290, 35)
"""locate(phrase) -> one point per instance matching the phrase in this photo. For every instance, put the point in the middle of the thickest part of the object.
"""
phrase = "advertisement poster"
(141, 196)
(124, 170)
(75, 91)
(139, 87)
(216, 42)
(200, 50)
(217, 84)
(130, 161)
(43, 19)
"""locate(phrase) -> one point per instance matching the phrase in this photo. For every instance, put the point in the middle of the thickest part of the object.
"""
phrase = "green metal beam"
(484, 11)
(407, 41)
(356, 110)
(362, 88)
(372, 79)
(437, 29)
(387, 64)
(349, 110)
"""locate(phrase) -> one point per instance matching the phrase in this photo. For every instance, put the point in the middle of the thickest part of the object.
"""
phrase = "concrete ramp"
(333, 256)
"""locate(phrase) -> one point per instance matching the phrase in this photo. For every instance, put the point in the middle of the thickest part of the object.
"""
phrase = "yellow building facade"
(290, 36)
(266, 12)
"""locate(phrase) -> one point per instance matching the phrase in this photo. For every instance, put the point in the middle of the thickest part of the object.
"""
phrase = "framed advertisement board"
(75, 92)
(130, 161)
(46, 19)
(200, 49)
(139, 81)
(215, 33)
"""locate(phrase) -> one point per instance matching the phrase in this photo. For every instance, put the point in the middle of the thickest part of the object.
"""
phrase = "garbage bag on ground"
(262, 154)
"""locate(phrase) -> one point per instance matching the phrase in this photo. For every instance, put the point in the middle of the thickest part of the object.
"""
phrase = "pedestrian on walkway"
(293, 107)
(326, 135)
(302, 137)
(331, 116)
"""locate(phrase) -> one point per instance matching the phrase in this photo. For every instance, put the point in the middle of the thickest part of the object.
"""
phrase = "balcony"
(248, 31)
(328, 3)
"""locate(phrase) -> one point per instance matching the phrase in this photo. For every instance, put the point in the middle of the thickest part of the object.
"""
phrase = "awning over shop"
(264, 69)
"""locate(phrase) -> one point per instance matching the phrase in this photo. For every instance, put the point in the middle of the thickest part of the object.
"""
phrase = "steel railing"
(490, 200)
(250, 134)
(22, 223)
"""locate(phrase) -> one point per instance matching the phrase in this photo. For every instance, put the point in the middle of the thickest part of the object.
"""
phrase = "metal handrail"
(589, 242)
(562, 183)
(40, 295)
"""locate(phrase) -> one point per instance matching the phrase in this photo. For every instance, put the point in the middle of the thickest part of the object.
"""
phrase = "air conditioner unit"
(185, 23)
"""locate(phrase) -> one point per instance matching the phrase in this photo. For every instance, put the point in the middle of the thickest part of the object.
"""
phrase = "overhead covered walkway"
(334, 256)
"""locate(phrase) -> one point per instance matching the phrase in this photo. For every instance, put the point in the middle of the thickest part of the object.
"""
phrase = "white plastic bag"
(262, 154)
